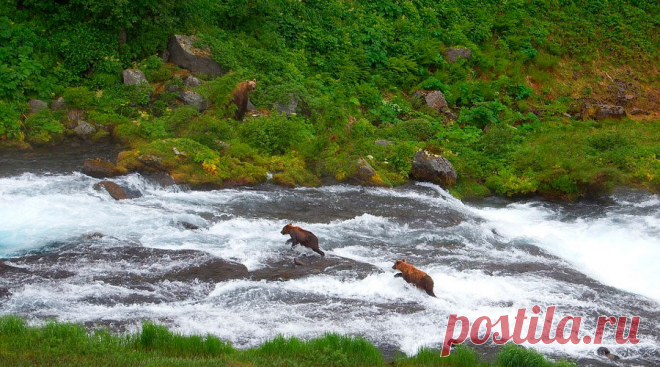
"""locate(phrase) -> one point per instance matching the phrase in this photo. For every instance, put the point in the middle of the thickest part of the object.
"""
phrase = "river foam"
(487, 258)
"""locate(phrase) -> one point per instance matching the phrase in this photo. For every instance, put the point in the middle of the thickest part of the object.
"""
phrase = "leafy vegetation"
(514, 125)
(60, 344)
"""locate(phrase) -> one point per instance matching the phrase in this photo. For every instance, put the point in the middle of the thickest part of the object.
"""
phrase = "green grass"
(63, 344)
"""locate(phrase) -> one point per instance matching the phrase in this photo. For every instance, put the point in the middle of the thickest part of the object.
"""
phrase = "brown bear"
(303, 237)
(241, 95)
(414, 276)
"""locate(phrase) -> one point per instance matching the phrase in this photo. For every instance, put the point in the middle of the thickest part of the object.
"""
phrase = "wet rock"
(58, 104)
(383, 142)
(133, 77)
(193, 99)
(115, 191)
(185, 55)
(434, 168)
(101, 168)
(453, 54)
(289, 108)
(192, 82)
(298, 262)
(84, 130)
(433, 99)
(36, 105)
(215, 270)
(313, 265)
(189, 226)
(602, 351)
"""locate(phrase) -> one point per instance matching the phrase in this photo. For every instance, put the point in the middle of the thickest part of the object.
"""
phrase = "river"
(72, 252)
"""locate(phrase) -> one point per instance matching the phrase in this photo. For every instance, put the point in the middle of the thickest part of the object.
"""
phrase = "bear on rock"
(303, 237)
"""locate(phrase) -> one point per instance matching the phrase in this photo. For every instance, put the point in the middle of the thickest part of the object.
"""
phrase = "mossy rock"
(192, 163)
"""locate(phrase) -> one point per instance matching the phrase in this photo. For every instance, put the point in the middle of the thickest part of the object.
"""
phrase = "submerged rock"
(435, 168)
(312, 265)
(185, 55)
(602, 351)
(101, 168)
(116, 191)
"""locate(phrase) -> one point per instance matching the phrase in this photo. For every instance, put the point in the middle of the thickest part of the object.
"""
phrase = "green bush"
(275, 134)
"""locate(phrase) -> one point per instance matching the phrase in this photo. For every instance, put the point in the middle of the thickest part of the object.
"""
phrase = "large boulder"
(36, 105)
(116, 191)
(453, 54)
(101, 168)
(433, 98)
(193, 99)
(185, 55)
(134, 77)
(435, 168)
(84, 130)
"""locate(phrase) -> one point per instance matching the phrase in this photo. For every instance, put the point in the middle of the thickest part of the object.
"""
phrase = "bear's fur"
(414, 276)
(303, 237)
(241, 95)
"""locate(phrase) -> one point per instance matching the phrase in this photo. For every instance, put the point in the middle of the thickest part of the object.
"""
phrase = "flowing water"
(72, 252)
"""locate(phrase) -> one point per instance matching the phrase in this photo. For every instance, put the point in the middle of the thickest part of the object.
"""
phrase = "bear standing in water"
(414, 276)
(241, 95)
(303, 237)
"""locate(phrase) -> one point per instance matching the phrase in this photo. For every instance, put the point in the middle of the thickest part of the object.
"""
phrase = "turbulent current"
(72, 252)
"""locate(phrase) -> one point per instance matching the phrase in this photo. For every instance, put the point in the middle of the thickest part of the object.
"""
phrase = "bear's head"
(398, 263)
(252, 85)
(287, 228)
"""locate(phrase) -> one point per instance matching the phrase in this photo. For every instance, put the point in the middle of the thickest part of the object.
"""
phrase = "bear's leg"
(289, 241)
(319, 252)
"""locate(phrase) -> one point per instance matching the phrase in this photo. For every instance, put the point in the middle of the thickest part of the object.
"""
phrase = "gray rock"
(165, 55)
(289, 109)
(36, 105)
(184, 54)
(604, 111)
(116, 191)
(133, 77)
(84, 130)
(193, 99)
(192, 82)
(383, 142)
(622, 93)
(58, 104)
(250, 106)
(433, 98)
(452, 54)
(434, 168)
(312, 265)
(639, 111)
